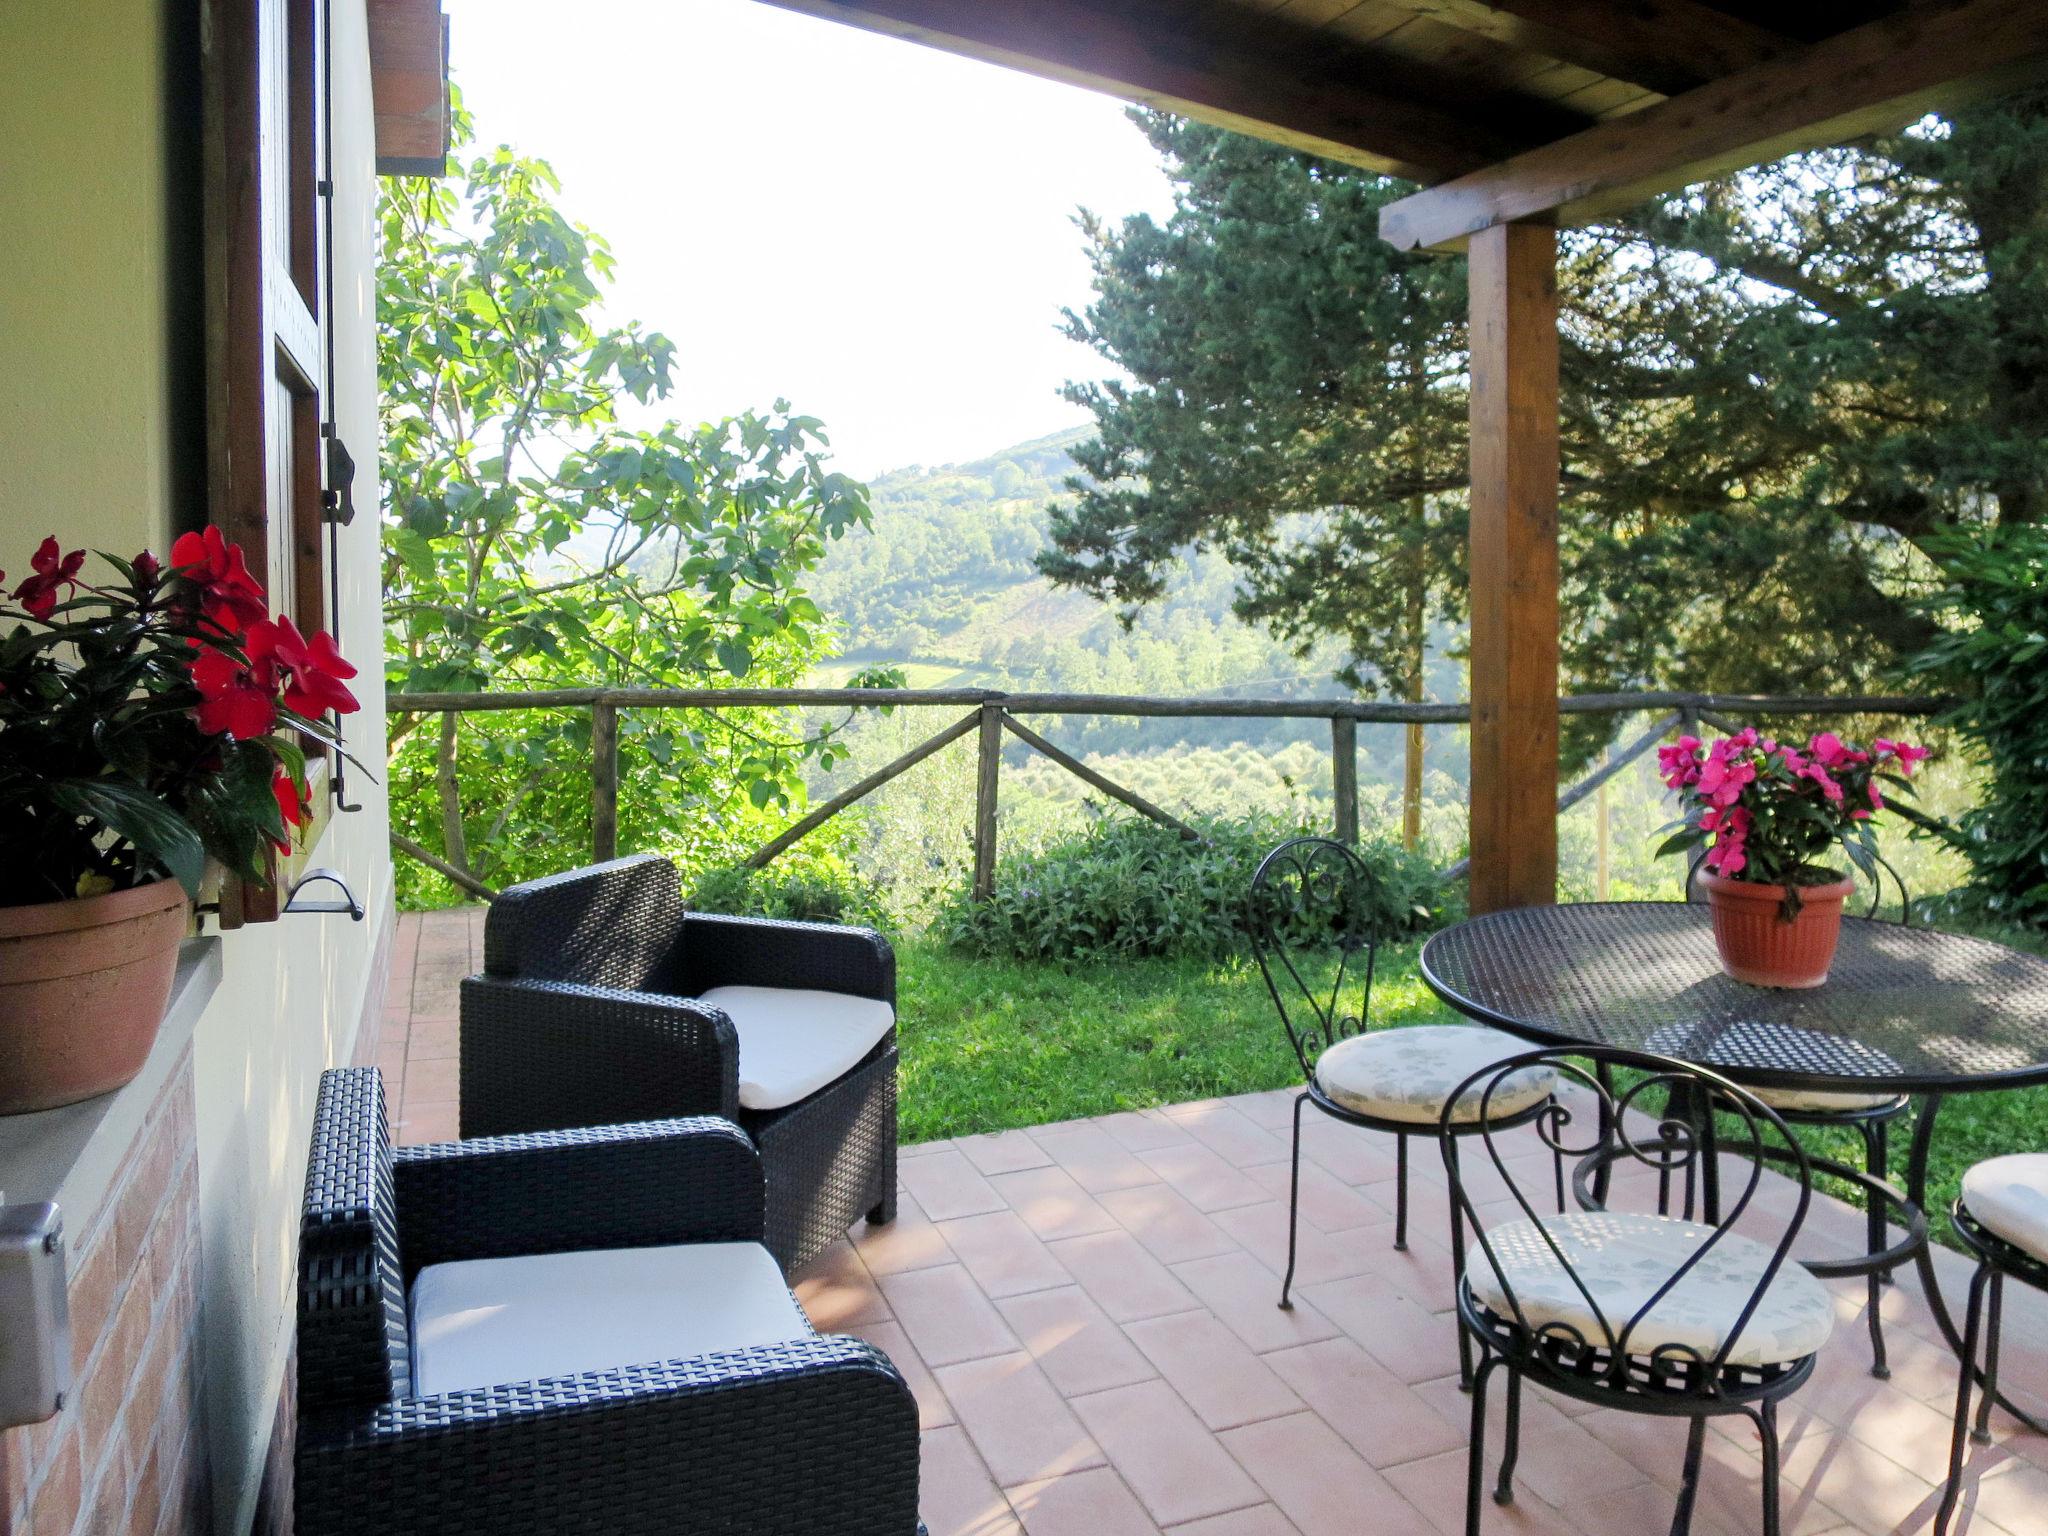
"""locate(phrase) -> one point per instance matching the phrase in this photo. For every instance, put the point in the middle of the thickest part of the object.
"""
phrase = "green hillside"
(945, 588)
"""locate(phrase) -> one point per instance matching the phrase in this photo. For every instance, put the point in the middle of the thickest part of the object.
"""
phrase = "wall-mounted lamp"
(346, 902)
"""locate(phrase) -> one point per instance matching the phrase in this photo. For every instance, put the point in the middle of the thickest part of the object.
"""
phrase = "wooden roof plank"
(1165, 57)
(1873, 79)
(1669, 46)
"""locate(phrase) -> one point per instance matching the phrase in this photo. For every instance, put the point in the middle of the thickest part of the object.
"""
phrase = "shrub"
(1995, 602)
(824, 891)
(1129, 887)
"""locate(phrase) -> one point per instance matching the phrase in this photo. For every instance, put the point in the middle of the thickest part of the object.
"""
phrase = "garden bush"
(1128, 887)
(826, 890)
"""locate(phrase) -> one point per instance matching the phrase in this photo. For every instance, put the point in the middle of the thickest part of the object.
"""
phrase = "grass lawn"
(992, 1044)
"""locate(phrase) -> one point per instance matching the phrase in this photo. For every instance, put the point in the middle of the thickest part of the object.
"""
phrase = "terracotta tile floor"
(1086, 1314)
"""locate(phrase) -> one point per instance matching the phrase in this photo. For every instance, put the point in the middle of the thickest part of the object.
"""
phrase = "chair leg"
(1458, 1265)
(884, 1213)
(1504, 1485)
(1689, 1483)
(1972, 1321)
(1982, 1433)
(1767, 1426)
(1400, 1192)
(1475, 1454)
(1874, 1162)
(1293, 1207)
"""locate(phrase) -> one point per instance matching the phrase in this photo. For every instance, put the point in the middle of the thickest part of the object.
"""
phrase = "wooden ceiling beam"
(1299, 90)
(1874, 79)
(409, 86)
(1668, 46)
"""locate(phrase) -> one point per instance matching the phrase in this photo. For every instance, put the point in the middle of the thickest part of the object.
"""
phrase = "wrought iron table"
(1904, 1010)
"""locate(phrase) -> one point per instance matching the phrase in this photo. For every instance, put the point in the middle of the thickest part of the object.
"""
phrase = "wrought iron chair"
(2001, 1216)
(602, 1000)
(577, 1331)
(1313, 920)
(1868, 1115)
(1638, 1311)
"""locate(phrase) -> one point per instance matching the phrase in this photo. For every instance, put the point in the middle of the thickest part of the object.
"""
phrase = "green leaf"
(134, 814)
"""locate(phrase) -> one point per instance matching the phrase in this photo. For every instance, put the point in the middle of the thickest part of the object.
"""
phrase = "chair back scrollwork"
(1313, 910)
(1629, 1109)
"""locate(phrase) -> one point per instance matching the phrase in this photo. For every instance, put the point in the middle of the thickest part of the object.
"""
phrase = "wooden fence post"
(604, 781)
(1344, 776)
(989, 766)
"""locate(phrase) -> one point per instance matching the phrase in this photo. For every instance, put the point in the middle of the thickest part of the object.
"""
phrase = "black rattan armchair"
(800, 1433)
(602, 1000)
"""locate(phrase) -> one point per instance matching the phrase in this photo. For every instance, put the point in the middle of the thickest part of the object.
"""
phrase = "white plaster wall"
(84, 349)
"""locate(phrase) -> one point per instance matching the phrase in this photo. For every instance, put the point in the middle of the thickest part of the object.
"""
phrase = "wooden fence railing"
(991, 713)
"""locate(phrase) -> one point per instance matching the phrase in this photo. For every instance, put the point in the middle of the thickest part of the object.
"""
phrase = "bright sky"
(878, 232)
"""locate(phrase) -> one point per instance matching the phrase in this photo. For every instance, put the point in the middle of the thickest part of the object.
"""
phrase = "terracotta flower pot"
(83, 986)
(1759, 946)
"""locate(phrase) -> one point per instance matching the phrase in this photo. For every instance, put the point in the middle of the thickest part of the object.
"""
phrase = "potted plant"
(1770, 814)
(146, 724)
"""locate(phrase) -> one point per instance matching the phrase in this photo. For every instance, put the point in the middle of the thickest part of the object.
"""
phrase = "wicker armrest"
(539, 1055)
(810, 1436)
(720, 951)
(614, 1186)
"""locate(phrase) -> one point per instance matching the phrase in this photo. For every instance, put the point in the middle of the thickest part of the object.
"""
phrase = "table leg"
(1930, 1281)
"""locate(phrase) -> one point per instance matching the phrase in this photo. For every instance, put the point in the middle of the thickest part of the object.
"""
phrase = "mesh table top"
(1902, 1008)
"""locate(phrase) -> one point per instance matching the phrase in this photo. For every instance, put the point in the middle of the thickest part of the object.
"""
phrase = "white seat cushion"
(1815, 1101)
(2009, 1197)
(484, 1322)
(794, 1041)
(1406, 1074)
(1623, 1257)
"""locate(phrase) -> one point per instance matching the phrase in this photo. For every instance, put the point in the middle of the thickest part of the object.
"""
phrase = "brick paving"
(1086, 1314)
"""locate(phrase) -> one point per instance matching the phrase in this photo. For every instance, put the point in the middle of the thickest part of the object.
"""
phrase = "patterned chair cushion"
(1814, 1101)
(1406, 1074)
(2009, 1197)
(1623, 1257)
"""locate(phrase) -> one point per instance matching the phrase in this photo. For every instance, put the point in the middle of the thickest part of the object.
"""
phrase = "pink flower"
(1827, 749)
(1828, 786)
(1723, 778)
(1679, 765)
(1907, 755)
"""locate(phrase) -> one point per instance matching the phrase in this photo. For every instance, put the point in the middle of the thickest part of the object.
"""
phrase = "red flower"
(293, 807)
(53, 571)
(312, 669)
(229, 596)
(233, 700)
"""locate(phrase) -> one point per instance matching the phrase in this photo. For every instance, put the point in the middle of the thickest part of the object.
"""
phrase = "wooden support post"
(1411, 786)
(1514, 567)
(1344, 776)
(604, 781)
(989, 767)
(1603, 833)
